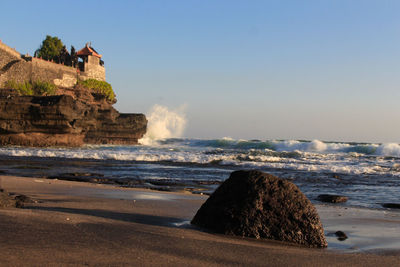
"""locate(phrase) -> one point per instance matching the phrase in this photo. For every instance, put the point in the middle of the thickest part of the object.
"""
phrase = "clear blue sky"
(327, 70)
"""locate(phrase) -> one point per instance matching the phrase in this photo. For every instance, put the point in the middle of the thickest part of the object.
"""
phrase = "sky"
(326, 70)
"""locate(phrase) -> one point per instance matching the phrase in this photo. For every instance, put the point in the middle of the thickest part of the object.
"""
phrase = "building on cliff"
(71, 118)
(20, 68)
(91, 64)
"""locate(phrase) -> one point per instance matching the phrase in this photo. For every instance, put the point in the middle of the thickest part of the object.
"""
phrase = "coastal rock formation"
(256, 204)
(332, 198)
(72, 118)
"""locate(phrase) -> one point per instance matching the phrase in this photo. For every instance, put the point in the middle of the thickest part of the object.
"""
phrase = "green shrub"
(100, 87)
(24, 88)
(44, 88)
(32, 88)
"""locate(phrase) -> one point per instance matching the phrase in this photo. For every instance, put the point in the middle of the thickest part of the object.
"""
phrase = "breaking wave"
(354, 158)
(164, 123)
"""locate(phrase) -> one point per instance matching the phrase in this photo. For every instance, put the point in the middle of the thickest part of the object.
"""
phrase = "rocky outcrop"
(72, 118)
(8, 200)
(256, 204)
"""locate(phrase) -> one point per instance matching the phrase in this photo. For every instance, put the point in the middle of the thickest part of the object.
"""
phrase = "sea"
(367, 173)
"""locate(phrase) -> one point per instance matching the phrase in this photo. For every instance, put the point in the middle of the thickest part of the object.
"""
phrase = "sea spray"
(389, 149)
(164, 123)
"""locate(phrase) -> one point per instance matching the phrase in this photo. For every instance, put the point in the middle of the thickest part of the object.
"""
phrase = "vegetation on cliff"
(42, 88)
(38, 88)
(100, 87)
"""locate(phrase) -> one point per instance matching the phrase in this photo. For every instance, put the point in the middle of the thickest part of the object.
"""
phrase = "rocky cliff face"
(72, 118)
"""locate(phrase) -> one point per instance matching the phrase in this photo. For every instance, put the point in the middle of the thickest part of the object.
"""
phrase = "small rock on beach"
(341, 235)
(391, 205)
(332, 198)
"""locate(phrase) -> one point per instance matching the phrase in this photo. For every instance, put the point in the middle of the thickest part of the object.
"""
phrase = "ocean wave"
(315, 146)
(164, 123)
(291, 154)
(250, 159)
(389, 149)
(229, 143)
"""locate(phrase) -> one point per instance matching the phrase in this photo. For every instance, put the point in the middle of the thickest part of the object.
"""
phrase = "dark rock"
(332, 198)
(341, 235)
(256, 204)
(20, 200)
(73, 118)
(391, 205)
(77, 174)
(23, 198)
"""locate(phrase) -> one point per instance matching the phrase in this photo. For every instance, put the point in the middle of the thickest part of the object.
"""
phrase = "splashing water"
(164, 123)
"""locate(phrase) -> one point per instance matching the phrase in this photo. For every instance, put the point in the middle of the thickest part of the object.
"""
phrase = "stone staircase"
(6, 67)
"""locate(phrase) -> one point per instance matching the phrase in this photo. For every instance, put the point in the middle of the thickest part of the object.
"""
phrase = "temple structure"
(91, 63)
(20, 68)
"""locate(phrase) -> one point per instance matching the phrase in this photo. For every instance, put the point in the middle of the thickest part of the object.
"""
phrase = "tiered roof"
(88, 51)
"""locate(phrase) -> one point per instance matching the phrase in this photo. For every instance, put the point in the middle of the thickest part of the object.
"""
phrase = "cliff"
(73, 117)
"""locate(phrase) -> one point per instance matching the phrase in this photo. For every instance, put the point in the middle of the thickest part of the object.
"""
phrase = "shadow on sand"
(120, 216)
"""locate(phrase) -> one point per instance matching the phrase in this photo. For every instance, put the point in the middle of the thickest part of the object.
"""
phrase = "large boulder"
(260, 205)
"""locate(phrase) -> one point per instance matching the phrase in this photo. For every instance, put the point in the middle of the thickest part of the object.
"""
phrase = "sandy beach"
(74, 224)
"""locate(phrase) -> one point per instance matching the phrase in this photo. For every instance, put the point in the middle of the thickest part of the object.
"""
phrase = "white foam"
(313, 146)
(317, 145)
(309, 156)
(164, 123)
(389, 149)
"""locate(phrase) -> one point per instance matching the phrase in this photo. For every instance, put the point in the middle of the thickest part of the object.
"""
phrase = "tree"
(74, 57)
(64, 57)
(50, 49)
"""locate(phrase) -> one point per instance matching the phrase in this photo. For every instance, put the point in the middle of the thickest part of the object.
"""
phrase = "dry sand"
(98, 225)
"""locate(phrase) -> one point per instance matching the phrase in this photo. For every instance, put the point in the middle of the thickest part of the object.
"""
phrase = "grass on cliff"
(100, 87)
(32, 87)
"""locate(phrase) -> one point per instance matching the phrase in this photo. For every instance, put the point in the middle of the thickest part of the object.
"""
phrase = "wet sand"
(76, 223)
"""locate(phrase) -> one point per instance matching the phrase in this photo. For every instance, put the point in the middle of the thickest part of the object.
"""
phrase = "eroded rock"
(73, 118)
(256, 204)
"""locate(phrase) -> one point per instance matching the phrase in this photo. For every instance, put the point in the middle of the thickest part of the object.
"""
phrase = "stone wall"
(94, 71)
(9, 50)
(12, 66)
(20, 69)
(59, 74)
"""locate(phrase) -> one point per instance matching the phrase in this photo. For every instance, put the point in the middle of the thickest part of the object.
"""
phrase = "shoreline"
(96, 224)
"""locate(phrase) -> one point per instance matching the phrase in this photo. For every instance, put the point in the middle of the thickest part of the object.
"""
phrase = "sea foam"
(389, 149)
(164, 123)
